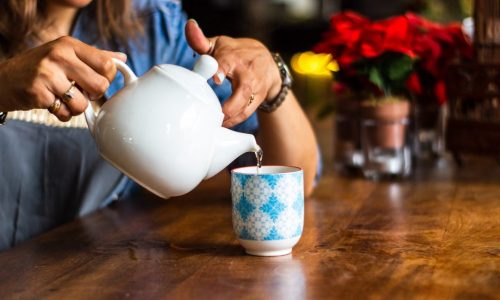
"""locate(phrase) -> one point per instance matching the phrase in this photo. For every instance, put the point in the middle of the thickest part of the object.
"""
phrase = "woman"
(51, 171)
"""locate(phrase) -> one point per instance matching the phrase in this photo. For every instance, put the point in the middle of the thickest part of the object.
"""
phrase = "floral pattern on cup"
(268, 207)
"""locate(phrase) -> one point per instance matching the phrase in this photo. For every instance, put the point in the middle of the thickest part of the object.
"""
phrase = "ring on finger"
(210, 47)
(54, 108)
(69, 94)
(250, 99)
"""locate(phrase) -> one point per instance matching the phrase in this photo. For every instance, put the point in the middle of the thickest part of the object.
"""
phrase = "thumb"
(196, 39)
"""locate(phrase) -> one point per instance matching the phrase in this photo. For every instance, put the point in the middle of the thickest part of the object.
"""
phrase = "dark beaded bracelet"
(286, 84)
(3, 117)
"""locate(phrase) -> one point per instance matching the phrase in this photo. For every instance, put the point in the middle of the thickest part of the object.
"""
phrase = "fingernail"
(220, 77)
(194, 21)
(123, 55)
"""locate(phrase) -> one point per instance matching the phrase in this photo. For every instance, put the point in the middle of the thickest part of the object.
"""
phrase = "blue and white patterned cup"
(268, 208)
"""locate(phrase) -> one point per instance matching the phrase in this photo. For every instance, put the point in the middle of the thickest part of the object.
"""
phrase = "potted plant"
(375, 60)
(384, 64)
(436, 46)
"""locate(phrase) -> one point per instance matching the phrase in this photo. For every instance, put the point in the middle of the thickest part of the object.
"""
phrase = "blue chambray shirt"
(163, 42)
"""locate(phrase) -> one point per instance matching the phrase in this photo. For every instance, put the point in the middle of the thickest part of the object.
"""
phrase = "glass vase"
(347, 156)
(385, 141)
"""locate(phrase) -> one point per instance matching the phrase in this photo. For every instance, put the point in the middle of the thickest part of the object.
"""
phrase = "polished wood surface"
(436, 235)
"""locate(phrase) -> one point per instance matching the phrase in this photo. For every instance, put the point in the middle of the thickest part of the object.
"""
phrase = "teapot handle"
(128, 76)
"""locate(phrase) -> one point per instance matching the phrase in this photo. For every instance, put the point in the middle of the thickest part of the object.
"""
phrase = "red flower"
(346, 28)
(413, 84)
(344, 33)
(387, 35)
(357, 44)
(440, 92)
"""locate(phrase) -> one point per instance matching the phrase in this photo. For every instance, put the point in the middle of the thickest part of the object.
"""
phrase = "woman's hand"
(41, 75)
(249, 66)
(285, 135)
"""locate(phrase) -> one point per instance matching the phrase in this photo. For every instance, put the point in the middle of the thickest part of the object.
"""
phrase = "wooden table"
(436, 235)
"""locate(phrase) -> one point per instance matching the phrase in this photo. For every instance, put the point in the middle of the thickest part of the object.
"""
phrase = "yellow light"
(309, 63)
(333, 66)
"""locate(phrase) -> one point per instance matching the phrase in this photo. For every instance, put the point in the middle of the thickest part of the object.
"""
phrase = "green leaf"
(376, 77)
(399, 69)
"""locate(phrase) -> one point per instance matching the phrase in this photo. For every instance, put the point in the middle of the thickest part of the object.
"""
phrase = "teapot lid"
(195, 82)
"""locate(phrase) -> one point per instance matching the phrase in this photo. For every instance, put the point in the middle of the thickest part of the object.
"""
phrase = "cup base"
(269, 248)
(269, 253)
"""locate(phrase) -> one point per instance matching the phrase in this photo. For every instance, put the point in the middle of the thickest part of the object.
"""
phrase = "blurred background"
(290, 26)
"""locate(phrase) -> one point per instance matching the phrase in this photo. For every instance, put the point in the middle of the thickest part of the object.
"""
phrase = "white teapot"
(164, 129)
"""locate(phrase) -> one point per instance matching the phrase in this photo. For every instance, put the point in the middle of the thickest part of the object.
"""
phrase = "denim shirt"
(163, 42)
(49, 174)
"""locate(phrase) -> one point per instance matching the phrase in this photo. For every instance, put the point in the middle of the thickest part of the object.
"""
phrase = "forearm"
(287, 138)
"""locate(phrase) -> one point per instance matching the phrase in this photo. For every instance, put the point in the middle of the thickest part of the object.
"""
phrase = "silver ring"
(69, 94)
(210, 47)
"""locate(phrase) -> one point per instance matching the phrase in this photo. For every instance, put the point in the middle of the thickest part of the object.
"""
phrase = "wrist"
(280, 90)
(274, 90)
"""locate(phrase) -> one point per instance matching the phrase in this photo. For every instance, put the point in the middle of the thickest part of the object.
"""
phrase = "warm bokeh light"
(314, 64)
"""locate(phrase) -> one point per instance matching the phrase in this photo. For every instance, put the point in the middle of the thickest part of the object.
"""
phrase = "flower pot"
(347, 146)
(385, 139)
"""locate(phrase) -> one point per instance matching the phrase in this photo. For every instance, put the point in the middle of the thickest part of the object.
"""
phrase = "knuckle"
(61, 48)
(106, 64)
(65, 40)
(43, 66)
(101, 85)
(57, 53)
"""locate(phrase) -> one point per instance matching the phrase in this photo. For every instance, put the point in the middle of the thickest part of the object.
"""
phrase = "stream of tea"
(259, 154)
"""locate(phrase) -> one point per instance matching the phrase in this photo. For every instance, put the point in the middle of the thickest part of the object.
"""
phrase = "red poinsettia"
(398, 55)
(436, 46)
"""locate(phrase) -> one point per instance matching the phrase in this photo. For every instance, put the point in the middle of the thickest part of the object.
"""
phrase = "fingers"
(250, 107)
(246, 98)
(197, 39)
(72, 101)
(59, 109)
(93, 83)
(91, 68)
(72, 98)
(100, 61)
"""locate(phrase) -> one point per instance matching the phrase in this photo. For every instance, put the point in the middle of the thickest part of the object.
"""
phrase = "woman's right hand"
(38, 77)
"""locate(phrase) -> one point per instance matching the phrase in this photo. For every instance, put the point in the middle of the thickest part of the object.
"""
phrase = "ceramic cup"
(268, 208)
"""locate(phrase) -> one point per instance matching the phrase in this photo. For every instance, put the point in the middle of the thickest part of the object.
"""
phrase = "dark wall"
(263, 20)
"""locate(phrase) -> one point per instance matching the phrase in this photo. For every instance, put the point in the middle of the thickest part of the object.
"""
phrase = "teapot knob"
(206, 66)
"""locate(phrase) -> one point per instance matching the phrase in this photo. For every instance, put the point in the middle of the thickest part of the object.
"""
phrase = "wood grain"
(436, 235)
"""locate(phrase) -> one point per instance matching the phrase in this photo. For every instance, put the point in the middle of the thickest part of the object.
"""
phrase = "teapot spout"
(229, 145)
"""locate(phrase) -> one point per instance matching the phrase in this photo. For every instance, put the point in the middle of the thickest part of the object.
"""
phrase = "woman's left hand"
(249, 66)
